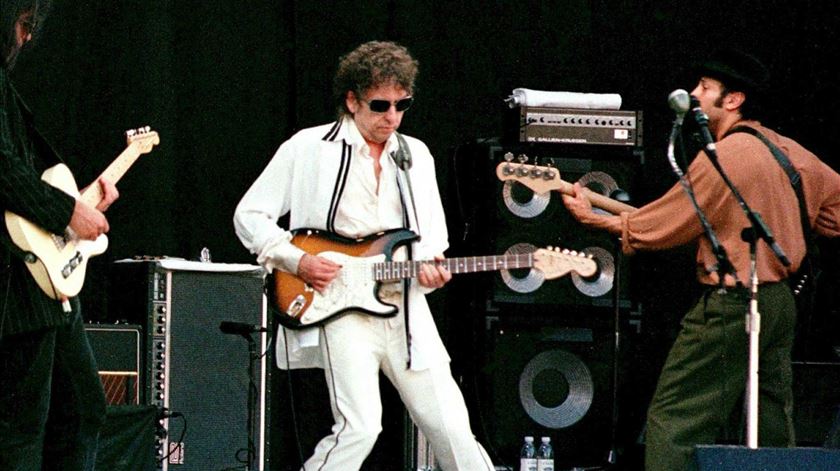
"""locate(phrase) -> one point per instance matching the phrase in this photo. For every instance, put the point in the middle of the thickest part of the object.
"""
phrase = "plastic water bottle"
(528, 456)
(545, 455)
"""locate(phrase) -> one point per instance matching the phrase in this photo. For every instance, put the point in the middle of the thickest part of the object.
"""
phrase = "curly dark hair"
(370, 65)
(10, 11)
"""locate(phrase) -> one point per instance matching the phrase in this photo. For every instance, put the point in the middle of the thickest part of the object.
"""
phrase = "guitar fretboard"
(408, 269)
(115, 171)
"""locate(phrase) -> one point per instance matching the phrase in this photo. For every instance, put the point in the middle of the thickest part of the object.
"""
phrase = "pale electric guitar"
(60, 261)
(542, 179)
(367, 263)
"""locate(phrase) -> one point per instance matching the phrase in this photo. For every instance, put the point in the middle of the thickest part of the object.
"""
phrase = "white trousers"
(356, 347)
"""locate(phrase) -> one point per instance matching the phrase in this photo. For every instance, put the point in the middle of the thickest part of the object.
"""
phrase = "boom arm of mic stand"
(723, 266)
(757, 230)
(758, 225)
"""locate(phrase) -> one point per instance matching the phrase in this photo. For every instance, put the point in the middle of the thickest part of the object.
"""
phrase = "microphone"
(402, 160)
(703, 122)
(679, 100)
(240, 328)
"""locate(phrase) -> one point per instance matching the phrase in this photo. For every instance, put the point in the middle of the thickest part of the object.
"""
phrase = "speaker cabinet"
(545, 379)
(739, 458)
(514, 216)
(199, 375)
(117, 349)
(816, 393)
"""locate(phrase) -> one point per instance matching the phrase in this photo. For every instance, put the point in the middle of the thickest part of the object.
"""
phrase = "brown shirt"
(671, 221)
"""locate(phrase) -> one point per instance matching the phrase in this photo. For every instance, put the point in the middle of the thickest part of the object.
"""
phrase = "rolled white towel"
(575, 100)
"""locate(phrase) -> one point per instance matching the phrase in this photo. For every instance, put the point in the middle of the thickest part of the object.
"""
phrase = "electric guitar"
(60, 260)
(544, 179)
(367, 263)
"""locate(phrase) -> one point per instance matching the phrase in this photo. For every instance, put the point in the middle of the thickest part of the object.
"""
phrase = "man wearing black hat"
(706, 370)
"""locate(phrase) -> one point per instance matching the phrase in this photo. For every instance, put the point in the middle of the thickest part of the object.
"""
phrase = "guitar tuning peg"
(147, 129)
(536, 172)
(548, 247)
(508, 157)
(522, 158)
(566, 251)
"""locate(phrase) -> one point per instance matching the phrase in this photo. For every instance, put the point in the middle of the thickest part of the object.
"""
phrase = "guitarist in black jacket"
(52, 404)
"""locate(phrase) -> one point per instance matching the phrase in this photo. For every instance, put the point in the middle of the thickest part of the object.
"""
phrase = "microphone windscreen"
(679, 100)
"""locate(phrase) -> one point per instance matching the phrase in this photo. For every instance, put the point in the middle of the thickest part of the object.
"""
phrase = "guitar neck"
(600, 201)
(389, 271)
(93, 193)
(544, 179)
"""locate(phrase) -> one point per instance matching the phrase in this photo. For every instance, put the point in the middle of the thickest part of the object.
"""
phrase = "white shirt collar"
(349, 132)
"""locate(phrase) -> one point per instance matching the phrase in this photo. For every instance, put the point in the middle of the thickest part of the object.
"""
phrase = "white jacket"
(305, 180)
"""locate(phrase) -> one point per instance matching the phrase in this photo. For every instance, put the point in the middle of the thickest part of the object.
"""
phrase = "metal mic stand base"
(753, 327)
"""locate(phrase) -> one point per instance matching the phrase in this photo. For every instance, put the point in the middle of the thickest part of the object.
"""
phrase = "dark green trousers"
(705, 375)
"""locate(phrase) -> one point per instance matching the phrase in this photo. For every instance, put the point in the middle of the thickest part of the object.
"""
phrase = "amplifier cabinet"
(200, 376)
(117, 348)
(580, 126)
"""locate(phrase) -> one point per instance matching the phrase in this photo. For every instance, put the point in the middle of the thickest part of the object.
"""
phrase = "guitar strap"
(402, 157)
(795, 182)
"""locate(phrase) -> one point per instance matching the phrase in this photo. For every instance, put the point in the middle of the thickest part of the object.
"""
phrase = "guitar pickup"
(71, 265)
(296, 306)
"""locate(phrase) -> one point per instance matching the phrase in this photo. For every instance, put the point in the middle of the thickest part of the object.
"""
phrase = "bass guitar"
(542, 179)
(367, 263)
(58, 261)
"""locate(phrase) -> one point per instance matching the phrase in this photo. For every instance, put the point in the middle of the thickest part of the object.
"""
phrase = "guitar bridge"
(296, 306)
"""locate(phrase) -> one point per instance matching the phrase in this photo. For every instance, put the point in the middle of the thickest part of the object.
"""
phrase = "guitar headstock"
(555, 262)
(144, 139)
(540, 179)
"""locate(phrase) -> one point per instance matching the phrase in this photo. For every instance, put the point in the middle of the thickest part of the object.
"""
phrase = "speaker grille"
(191, 368)
(544, 379)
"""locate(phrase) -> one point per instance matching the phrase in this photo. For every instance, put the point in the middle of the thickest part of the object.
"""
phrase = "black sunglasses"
(381, 106)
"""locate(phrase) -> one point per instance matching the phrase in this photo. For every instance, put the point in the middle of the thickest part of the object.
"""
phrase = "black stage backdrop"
(225, 82)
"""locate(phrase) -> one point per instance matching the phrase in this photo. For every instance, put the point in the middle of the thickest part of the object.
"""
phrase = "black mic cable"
(703, 123)
(679, 100)
(760, 228)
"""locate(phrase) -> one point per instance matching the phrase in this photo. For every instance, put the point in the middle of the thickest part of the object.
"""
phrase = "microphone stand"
(246, 331)
(253, 356)
(724, 265)
(757, 230)
(612, 456)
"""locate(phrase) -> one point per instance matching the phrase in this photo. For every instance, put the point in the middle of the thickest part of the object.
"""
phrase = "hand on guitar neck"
(543, 179)
(434, 275)
(580, 206)
(87, 221)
